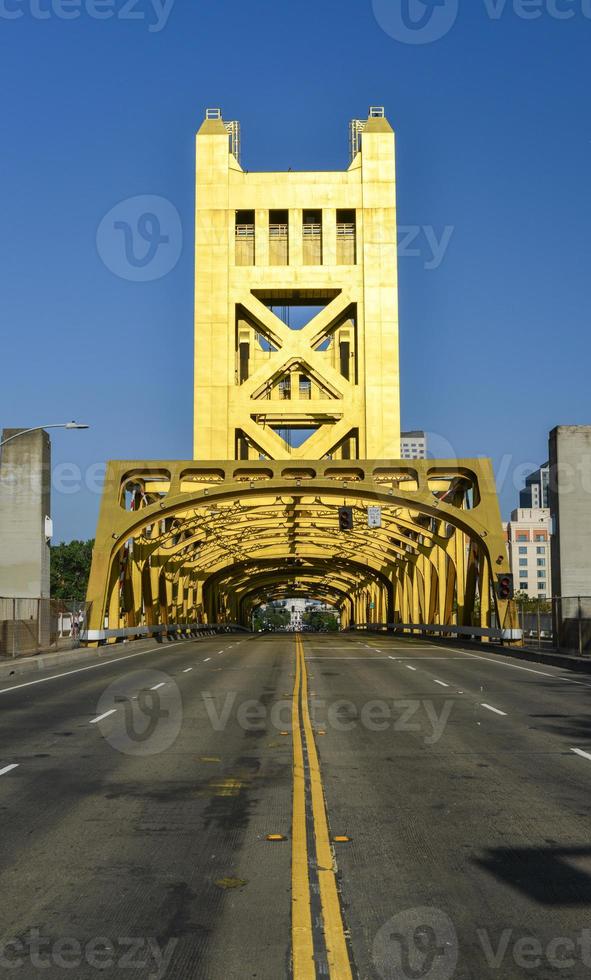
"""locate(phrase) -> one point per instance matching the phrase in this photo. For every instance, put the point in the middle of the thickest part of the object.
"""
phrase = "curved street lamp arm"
(36, 428)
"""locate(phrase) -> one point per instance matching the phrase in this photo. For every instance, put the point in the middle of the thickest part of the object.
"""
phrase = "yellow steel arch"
(180, 553)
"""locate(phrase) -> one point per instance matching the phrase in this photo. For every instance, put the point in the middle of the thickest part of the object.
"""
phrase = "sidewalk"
(72, 657)
(550, 657)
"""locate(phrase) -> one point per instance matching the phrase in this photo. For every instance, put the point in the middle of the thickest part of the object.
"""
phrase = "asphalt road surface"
(271, 806)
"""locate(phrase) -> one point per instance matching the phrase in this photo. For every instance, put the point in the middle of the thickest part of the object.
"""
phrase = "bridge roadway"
(453, 774)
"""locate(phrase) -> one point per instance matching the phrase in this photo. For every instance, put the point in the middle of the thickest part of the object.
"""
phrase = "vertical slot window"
(278, 238)
(312, 237)
(305, 387)
(244, 238)
(346, 238)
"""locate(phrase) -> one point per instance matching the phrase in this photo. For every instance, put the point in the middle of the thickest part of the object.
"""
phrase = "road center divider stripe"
(337, 953)
(301, 912)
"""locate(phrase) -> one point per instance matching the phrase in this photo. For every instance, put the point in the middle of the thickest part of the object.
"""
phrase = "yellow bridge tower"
(296, 312)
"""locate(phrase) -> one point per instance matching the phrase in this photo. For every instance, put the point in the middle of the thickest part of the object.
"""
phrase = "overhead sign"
(374, 516)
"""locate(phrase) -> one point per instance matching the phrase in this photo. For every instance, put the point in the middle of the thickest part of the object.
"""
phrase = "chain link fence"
(571, 617)
(561, 623)
(29, 626)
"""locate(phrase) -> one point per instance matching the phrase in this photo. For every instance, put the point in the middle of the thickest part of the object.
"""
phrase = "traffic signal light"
(345, 518)
(505, 586)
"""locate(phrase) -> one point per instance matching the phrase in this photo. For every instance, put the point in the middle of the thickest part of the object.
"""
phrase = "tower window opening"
(312, 237)
(244, 238)
(305, 386)
(346, 237)
(278, 238)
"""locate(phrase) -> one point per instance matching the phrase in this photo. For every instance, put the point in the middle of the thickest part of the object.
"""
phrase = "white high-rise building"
(528, 542)
(413, 444)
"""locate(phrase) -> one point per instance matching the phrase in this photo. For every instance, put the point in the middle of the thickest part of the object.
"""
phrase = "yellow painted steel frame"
(207, 541)
(267, 247)
(189, 542)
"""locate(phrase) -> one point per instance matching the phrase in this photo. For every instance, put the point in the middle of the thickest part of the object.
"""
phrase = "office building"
(528, 541)
(535, 492)
(413, 444)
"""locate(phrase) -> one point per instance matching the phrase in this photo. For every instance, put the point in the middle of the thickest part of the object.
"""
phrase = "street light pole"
(36, 428)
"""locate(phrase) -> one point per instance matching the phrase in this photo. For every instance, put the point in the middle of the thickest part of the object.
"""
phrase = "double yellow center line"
(311, 851)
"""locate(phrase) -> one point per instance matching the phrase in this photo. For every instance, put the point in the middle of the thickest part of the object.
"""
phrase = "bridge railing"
(172, 631)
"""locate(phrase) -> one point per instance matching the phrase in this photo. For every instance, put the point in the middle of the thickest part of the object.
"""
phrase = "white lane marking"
(206, 659)
(14, 765)
(408, 667)
(586, 755)
(496, 710)
(530, 670)
(443, 684)
(489, 660)
(420, 659)
(187, 669)
(100, 717)
(475, 656)
(156, 686)
(80, 670)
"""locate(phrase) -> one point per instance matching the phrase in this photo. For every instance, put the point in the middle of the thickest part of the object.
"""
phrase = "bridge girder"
(186, 541)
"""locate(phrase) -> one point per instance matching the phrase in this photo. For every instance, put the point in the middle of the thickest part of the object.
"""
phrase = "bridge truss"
(184, 542)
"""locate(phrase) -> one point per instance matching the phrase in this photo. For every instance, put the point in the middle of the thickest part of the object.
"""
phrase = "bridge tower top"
(296, 309)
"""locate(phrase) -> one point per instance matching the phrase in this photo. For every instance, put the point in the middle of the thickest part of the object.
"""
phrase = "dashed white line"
(80, 670)
(443, 684)
(408, 667)
(206, 659)
(496, 710)
(586, 755)
(105, 715)
(14, 765)
(156, 686)
(187, 669)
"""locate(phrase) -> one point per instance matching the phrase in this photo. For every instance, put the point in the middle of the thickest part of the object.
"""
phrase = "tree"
(320, 619)
(70, 569)
(532, 603)
(270, 616)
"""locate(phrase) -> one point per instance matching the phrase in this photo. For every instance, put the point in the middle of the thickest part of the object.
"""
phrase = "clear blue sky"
(494, 142)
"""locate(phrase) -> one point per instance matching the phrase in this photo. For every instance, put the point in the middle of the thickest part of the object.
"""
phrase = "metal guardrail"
(168, 629)
(426, 629)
